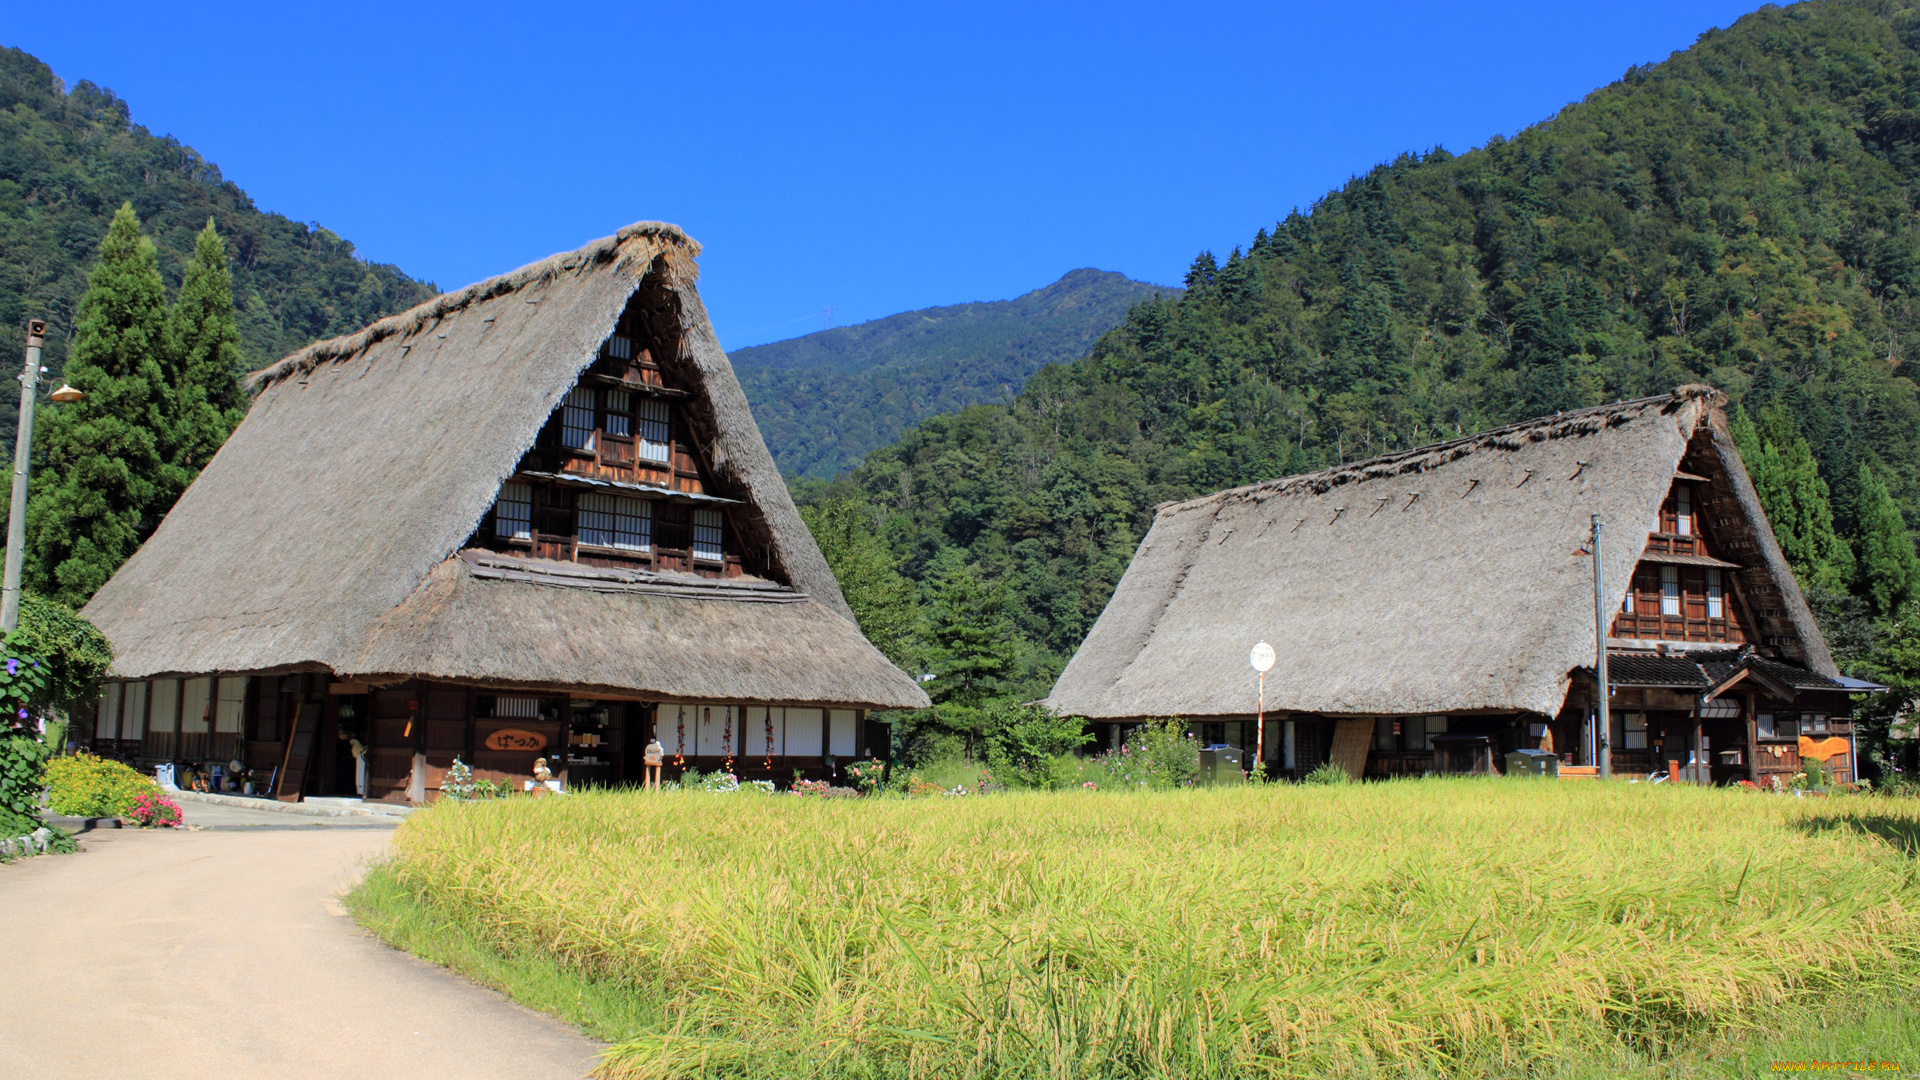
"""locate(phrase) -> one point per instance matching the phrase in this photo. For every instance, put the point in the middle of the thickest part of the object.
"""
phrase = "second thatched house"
(1433, 610)
(531, 518)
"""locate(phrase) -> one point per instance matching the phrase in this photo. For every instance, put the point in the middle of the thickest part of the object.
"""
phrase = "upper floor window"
(706, 535)
(1626, 604)
(576, 419)
(652, 428)
(513, 512)
(1716, 597)
(620, 348)
(620, 412)
(1669, 590)
(616, 522)
(1682, 510)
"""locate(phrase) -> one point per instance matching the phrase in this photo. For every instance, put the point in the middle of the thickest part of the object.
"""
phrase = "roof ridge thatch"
(634, 246)
(1421, 458)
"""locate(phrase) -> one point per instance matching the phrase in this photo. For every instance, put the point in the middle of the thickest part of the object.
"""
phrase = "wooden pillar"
(1751, 752)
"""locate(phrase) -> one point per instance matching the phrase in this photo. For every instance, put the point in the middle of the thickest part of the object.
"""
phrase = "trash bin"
(1532, 763)
(1220, 764)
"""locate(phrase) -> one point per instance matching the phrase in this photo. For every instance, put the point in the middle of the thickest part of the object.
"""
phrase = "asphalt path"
(224, 950)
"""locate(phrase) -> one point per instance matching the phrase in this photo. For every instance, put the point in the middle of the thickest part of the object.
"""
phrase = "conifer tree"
(973, 644)
(1889, 568)
(98, 464)
(882, 600)
(1797, 501)
(205, 400)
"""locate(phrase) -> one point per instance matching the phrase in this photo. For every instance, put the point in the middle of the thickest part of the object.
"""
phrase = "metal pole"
(1605, 721)
(1260, 726)
(17, 509)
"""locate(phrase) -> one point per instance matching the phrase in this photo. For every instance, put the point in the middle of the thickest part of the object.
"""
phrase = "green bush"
(1329, 773)
(1161, 755)
(1027, 743)
(23, 761)
(86, 786)
(75, 653)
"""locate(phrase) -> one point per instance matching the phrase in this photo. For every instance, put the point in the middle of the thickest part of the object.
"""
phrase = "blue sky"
(869, 159)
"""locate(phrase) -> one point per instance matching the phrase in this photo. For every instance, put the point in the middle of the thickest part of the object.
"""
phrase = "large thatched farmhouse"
(530, 518)
(1433, 610)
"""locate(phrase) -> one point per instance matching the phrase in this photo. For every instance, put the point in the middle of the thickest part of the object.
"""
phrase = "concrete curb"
(302, 809)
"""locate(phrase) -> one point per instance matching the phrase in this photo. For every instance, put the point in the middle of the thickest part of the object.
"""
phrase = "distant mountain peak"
(828, 398)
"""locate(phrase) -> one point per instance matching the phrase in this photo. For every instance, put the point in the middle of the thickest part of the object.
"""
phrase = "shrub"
(1028, 742)
(75, 653)
(867, 775)
(153, 810)
(1328, 773)
(1160, 755)
(23, 760)
(87, 786)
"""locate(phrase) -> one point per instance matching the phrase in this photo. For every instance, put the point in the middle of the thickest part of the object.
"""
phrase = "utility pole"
(17, 512)
(1603, 719)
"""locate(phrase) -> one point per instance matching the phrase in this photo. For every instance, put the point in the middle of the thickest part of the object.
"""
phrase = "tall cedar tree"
(973, 645)
(205, 399)
(99, 461)
(1797, 501)
(1889, 569)
(883, 601)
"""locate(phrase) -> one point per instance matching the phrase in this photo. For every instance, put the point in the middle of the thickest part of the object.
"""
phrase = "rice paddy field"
(1421, 928)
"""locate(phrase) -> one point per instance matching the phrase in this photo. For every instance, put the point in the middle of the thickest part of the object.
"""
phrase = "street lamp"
(22, 446)
(1262, 658)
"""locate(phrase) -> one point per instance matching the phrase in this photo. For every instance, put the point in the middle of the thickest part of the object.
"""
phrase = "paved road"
(224, 951)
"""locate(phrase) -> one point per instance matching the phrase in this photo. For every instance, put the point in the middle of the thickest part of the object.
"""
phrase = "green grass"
(1462, 927)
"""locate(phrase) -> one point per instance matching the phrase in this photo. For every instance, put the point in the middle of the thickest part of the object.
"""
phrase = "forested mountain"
(825, 400)
(1741, 214)
(69, 158)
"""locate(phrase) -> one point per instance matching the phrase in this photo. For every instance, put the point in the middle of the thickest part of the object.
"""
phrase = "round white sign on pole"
(1261, 658)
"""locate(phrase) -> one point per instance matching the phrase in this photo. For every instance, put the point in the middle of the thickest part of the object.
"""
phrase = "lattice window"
(633, 524)
(576, 419)
(620, 348)
(1669, 590)
(516, 708)
(619, 412)
(1716, 597)
(654, 432)
(513, 512)
(596, 520)
(1682, 510)
(706, 535)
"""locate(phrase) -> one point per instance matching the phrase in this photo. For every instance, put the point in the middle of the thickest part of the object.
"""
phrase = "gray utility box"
(1532, 763)
(1220, 765)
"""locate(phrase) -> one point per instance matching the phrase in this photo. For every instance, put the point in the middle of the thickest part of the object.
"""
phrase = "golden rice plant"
(1263, 931)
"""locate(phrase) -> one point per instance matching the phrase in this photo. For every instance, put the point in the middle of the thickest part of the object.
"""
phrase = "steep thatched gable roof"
(366, 461)
(1437, 580)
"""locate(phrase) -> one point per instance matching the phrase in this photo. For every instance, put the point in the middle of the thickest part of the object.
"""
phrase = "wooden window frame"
(581, 403)
(718, 527)
(502, 521)
(653, 431)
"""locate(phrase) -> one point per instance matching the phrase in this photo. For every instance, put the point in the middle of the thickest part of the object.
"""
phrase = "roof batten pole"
(1603, 721)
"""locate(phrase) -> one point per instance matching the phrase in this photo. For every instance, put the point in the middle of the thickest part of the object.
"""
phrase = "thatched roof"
(1436, 580)
(365, 462)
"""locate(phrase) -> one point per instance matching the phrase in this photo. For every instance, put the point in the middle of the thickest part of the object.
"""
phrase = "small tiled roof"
(1702, 670)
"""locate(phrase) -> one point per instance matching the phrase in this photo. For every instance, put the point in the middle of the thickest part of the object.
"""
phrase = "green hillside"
(69, 158)
(826, 400)
(1741, 214)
